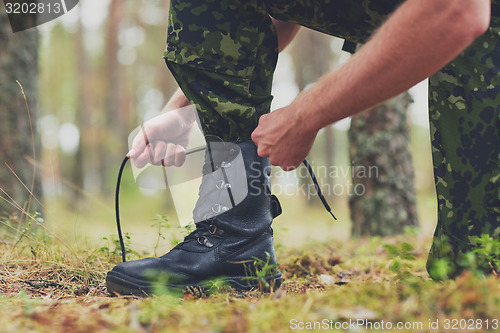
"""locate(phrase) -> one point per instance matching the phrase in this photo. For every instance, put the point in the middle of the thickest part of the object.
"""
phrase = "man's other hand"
(283, 137)
(163, 140)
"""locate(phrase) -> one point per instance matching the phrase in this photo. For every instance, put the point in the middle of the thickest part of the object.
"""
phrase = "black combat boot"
(233, 217)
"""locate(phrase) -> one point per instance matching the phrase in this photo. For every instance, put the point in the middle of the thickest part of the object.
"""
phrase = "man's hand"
(273, 137)
(283, 137)
(163, 139)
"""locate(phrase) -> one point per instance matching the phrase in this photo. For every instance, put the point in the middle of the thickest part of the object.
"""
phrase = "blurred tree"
(312, 57)
(20, 144)
(113, 127)
(383, 200)
(84, 154)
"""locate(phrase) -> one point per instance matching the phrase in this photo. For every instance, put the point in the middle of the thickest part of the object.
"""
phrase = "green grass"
(49, 285)
(52, 278)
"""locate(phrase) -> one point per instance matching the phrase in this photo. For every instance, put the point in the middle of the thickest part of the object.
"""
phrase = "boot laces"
(204, 228)
(203, 232)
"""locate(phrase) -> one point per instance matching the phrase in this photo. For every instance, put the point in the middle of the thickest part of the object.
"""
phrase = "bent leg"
(223, 54)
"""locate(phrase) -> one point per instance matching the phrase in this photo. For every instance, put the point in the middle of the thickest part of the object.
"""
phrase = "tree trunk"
(114, 123)
(85, 156)
(18, 136)
(383, 199)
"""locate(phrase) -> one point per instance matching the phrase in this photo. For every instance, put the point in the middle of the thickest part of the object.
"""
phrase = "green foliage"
(402, 259)
(159, 286)
(19, 228)
(482, 261)
(113, 247)
(402, 252)
(441, 269)
(164, 231)
(188, 228)
(69, 280)
(216, 286)
(161, 223)
(488, 250)
(259, 270)
(403, 263)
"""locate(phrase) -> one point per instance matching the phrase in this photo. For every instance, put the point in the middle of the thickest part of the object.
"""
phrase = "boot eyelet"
(212, 229)
(216, 208)
(225, 164)
(227, 185)
(220, 184)
(206, 242)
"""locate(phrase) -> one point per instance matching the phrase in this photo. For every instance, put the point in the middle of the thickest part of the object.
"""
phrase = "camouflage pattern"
(223, 54)
(464, 112)
(354, 20)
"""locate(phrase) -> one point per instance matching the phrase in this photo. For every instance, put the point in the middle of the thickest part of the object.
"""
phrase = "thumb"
(138, 144)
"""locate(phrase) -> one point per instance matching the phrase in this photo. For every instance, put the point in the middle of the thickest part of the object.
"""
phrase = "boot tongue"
(223, 183)
(218, 154)
(249, 213)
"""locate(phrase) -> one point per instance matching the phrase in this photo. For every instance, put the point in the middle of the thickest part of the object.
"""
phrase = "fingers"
(170, 127)
(262, 151)
(180, 156)
(138, 146)
(143, 157)
(290, 167)
(161, 153)
(257, 132)
(266, 150)
(169, 157)
(284, 164)
(256, 136)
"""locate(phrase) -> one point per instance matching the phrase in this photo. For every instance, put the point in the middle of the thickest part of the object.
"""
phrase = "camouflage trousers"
(223, 54)
(464, 113)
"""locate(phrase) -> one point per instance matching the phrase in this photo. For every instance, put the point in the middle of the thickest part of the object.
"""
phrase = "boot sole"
(122, 284)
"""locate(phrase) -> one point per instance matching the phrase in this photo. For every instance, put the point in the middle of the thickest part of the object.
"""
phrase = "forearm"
(285, 32)
(421, 37)
(177, 101)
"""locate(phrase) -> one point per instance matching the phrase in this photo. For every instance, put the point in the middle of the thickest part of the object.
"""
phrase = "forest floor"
(364, 285)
